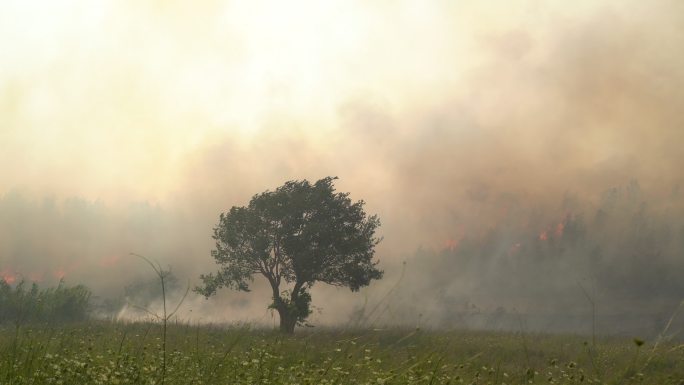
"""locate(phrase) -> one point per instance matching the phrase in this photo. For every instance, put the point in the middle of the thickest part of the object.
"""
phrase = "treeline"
(27, 303)
(621, 254)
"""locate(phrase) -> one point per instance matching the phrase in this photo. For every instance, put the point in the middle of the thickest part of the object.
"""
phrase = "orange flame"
(451, 244)
(59, 273)
(559, 229)
(8, 276)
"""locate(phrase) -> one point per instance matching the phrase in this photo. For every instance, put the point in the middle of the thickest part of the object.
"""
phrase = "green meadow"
(96, 352)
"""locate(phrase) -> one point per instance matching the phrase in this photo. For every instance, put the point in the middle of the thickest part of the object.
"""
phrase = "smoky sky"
(129, 128)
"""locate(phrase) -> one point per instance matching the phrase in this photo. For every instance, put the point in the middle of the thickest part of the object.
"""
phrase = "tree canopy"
(297, 235)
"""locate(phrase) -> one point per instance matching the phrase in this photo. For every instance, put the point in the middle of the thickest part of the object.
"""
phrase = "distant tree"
(297, 235)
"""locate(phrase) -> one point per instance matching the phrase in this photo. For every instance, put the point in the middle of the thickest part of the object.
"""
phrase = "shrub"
(23, 303)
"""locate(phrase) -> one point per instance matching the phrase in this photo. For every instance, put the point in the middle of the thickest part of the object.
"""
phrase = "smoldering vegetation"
(613, 264)
(617, 263)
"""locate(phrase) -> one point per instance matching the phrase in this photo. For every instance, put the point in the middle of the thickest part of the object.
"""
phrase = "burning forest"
(506, 176)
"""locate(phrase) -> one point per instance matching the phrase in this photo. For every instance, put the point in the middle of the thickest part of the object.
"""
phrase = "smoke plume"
(523, 158)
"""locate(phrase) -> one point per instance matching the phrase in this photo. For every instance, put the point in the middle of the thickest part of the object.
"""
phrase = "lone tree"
(294, 236)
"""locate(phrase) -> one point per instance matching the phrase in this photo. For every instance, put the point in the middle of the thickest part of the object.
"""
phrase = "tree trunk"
(287, 320)
(288, 317)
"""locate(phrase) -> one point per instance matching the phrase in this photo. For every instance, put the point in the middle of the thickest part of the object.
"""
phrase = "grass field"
(110, 353)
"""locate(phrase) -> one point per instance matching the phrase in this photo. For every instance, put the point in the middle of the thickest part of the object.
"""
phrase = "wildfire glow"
(451, 244)
(110, 261)
(559, 229)
(9, 277)
(59, 273)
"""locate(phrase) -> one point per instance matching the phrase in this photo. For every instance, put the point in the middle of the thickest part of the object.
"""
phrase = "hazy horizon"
(479, 132)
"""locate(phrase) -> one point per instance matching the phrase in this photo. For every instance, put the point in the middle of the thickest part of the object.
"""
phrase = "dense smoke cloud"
(491, 151)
